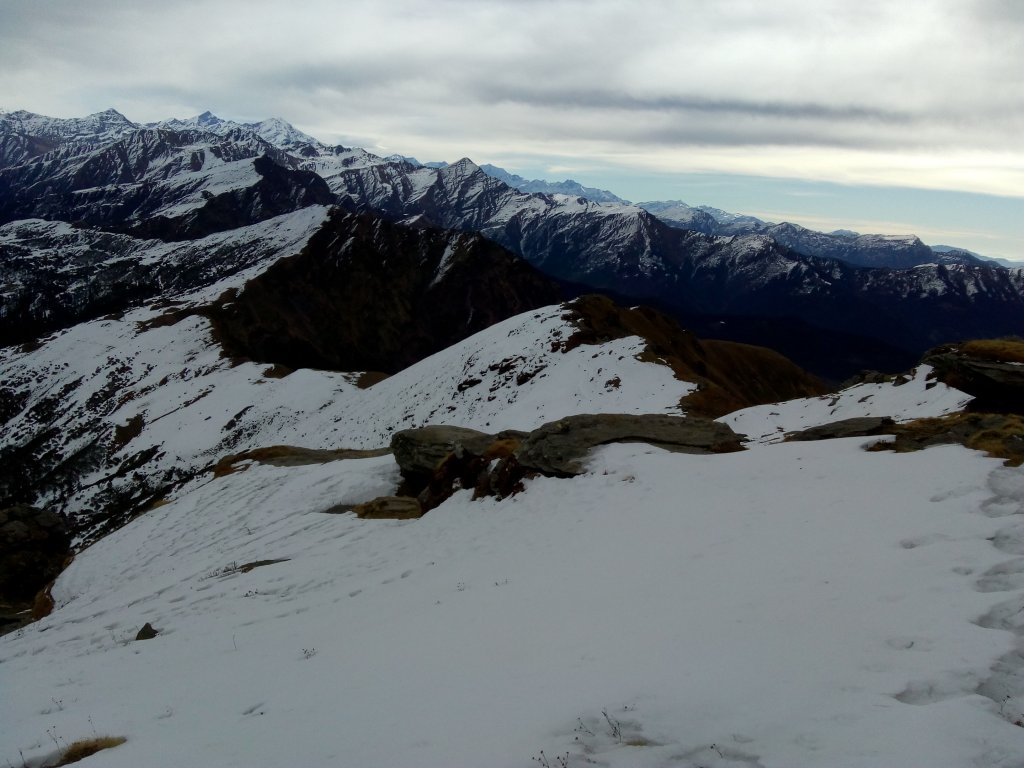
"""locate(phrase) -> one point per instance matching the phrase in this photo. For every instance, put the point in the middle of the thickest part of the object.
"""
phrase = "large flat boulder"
(419, 452)
(858, 426)
(560, 447)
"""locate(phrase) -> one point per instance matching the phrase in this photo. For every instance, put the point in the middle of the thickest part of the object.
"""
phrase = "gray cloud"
(936, 76)
(603, 99)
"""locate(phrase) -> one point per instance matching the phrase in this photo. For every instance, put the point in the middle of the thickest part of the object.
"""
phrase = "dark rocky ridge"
(366, 294)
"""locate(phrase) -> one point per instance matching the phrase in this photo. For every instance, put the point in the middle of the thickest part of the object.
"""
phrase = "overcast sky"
(828, 112)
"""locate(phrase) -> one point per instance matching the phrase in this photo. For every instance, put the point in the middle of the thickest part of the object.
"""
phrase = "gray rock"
(860, 426)
(34, 544)
(419, 451)
(997, 386)
(559, 448)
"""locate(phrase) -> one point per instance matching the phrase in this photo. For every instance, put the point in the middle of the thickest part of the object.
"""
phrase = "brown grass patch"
(729, 375)
(998, 435)
(502, 448)
(43, 605)
(390, 508)
(997, 350)
(83, 748)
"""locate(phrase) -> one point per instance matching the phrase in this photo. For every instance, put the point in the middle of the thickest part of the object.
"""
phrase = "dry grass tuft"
(83, 748)
(729, 375)
(501, 448)
(998, 350)
(998, 435)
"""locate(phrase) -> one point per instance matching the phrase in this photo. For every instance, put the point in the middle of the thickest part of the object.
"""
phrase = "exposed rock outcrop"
(559, 448)
(859, 426)
(436, 461)
(34, 545)
(419, 452)
(991, 370)
(368, 295)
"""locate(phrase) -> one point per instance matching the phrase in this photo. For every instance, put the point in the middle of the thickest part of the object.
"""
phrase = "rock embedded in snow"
(559, 448)
(418, 452)
(991, 370)
(34, 545)
(857, 426)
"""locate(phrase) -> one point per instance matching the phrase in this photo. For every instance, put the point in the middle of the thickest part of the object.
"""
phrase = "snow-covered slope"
(918, 397)
(123, 408)
(54, 274)
(24, 135)
(791, 605)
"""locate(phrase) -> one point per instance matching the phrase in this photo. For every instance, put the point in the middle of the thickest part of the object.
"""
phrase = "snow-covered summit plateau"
(793, 604)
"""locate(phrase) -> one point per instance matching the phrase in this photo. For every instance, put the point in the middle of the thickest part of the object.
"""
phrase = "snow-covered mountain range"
(355, 475)
(895, 251)
(186, 179)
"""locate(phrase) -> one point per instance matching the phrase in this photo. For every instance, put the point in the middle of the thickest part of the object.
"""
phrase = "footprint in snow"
(1004, 577)
(909, 643)
(926, 692)
(923, 541)
(1010, 539)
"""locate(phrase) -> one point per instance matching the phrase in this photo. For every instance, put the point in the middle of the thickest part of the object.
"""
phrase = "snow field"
(195, 407)
(918, 398)
(791, 605)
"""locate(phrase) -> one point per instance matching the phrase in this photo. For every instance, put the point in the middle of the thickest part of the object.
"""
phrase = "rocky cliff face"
(368, 295)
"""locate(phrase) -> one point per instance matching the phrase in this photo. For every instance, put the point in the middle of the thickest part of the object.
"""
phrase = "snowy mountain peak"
(463, 165)
(569, 187)
(110, 114)
(281, 133)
